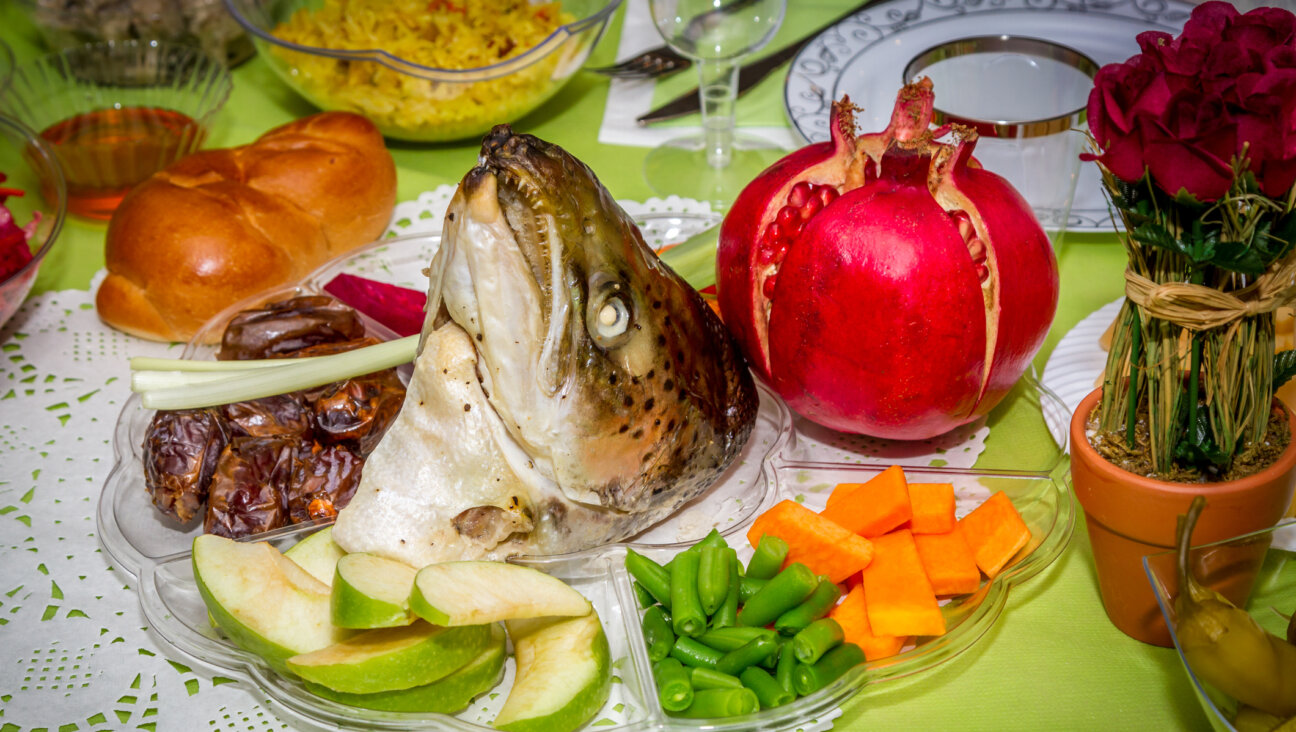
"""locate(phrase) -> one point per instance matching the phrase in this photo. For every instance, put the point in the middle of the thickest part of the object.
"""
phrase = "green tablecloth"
(1053, 661)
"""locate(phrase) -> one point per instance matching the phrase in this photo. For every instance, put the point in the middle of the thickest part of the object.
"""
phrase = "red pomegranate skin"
(911, 302)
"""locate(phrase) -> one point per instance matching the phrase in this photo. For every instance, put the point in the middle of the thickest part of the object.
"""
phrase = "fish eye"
(613, 318)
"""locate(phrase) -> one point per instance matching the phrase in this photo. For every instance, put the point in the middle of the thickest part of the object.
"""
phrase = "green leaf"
(1198, 447)
(1284, 368)
(1154, 234)
(1236, 256)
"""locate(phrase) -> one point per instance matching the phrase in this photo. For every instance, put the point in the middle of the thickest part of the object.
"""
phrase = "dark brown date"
(281, 414)
(359, 410)
(181, 449)
(324, 479)
(248, 492)
(282, 328)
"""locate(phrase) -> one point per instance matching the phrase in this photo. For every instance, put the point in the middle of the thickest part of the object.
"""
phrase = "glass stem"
(718, 87)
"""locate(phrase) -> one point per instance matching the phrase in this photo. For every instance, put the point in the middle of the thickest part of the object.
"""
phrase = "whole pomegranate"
(886, 284)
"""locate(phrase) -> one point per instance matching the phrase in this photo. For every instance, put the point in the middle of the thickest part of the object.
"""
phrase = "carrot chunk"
(898, 595)
(996, 532)
(933, 508)
(947, 558)
(852, 615)
(823, 546)
(873, 508)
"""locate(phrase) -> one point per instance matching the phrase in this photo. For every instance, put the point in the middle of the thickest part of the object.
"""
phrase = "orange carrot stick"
(948, 561)
(823, 546)
(898, 595)
(852, 615)
(873, 508)
(996, 532)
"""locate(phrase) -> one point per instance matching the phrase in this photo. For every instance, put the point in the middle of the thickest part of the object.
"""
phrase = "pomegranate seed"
(983, 272)
(964, 223)
(780, 252)
(767, 288)
(977, 249)
(827, 194)
(787, 216)
(801, 193)
(811, 207)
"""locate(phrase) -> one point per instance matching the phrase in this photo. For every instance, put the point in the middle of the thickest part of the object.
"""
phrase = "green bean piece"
(748, 586)
(727, 615)
(709, 703)
(674, 689)
(658, 635)
(713, 577)
(728, 639)
(810, 678)
(768, 692)
(817, 639)
(642, 595)
(771, 552)
(785, 670)
(687, 617)
(771, 661)
(785, 590)
(749, 654)
(691, 653)
(708, 678)
(816, 606)
(713, 539)
(653, 576)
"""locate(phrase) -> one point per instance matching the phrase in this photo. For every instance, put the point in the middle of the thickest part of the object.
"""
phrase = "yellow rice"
(445, 34)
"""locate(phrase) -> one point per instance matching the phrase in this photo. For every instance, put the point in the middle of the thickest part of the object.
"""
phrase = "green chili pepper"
(691, 653)
(785, 590)
(658, 635)
(687, 617)
(727, 639)
(674, 690)
(707, 678)
(748, 654)
(748, 586)
(771, 552)
(817, 639)
(653, 576)
(1224, 645)
(727, 615)
(816, 606)
(810, 678)
(713, 577)
(709, 703)
(785, 670)
(642, 595)
(768, 692)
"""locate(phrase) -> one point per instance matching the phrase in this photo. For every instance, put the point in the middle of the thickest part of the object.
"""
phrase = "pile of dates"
(258, 465)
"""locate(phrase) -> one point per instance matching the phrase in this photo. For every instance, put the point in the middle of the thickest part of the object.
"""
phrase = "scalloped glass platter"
(784, 458)
(864, 56)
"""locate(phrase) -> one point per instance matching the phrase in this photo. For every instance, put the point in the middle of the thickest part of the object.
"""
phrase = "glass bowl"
(407, 99)
(1215, 563)
(29, 165)
(117, 112)
(204, 23)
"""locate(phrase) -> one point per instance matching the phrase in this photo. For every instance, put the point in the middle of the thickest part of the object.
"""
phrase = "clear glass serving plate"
(784, 459)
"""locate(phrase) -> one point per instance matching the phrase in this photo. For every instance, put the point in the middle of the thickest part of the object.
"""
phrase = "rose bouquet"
(1196, 141)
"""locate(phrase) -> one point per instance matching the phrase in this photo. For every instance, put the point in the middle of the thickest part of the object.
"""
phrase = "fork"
(662, 60)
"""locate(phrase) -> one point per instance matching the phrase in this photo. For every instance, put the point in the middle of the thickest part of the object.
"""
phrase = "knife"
(748, 76)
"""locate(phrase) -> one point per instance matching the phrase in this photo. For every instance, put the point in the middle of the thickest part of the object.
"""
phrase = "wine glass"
(714, 165)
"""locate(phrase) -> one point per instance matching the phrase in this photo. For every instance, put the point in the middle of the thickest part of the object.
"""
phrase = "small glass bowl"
(1219, 565)
(202, 23)
(410, 101)
(29, 165)
(117, 112)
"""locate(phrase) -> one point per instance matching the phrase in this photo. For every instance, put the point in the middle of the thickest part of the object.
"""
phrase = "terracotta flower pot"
(1129, 516)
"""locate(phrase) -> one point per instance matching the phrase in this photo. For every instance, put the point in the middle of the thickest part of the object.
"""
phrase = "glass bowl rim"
(60, 188)
(480, 73)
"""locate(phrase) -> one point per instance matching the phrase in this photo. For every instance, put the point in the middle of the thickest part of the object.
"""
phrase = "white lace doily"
(79, 656)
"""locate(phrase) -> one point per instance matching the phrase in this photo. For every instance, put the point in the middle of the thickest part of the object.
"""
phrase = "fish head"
(614, 377)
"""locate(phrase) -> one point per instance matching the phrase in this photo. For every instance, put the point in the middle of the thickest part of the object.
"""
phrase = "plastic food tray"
(784, 458)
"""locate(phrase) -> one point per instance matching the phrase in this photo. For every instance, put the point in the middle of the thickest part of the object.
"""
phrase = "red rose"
(1190, 146)
(1122, 94)
(1267, 122)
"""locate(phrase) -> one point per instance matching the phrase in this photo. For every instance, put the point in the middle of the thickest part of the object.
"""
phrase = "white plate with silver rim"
(864, 56)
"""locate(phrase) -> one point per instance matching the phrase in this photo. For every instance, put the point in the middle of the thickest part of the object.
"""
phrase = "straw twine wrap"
(1198, 308)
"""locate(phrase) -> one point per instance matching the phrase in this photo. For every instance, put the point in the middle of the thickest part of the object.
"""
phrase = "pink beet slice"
(398, 308)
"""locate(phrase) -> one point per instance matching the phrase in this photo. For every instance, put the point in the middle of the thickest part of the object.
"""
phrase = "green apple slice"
(370, 591)
(449, 695)
(262, 600)
(390, 659)
(563, 674)
(474, 592)
(317, 554)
